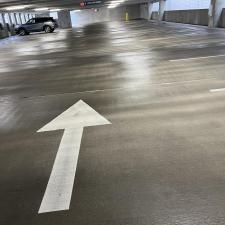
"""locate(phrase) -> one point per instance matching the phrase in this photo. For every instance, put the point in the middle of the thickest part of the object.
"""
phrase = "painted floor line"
(203, 57)
(122, 88)
(217, 90)
(59, 189)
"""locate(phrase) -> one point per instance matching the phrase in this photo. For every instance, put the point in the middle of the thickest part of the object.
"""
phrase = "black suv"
(38, 24)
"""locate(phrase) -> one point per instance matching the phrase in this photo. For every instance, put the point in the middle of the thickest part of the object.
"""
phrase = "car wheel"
(47, 29)
(22, 32)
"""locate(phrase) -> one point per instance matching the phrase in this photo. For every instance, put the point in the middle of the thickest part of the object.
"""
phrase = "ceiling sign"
(90, 3)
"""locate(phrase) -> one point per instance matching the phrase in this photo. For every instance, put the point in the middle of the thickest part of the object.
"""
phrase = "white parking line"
(217, 90)
(203, 57)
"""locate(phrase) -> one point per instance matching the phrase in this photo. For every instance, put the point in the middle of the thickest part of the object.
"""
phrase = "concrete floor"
(161, 162)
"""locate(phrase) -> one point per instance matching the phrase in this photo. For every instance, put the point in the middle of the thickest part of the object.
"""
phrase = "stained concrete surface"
(161, 162)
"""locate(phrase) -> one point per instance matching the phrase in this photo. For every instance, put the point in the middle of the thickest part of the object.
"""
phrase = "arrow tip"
(78, 115)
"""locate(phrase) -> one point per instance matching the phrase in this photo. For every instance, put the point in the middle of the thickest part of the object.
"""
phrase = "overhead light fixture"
(117, 2)
(16, 7)
(41, 9)
(114, 4)
(55, 10)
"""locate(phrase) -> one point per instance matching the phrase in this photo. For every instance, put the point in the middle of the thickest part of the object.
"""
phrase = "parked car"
(38, 24)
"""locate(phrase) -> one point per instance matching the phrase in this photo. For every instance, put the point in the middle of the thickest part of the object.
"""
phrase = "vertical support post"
(20, 18)
(215, 11)
(64, 19)
(150, 10)
(10, 19)
(11, 28)
(24, 16)
(3, 19)
(4, 33)
(126, 16)
(162, 7)
(15, 19)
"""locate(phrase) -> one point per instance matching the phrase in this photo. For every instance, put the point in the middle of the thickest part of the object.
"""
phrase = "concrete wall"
(47, 14)
(197, 17)
(215, 12)
(119, 12)
(88, 16)
(222, 19)
(155, 16)
(172, 5)
(3, 33)
(144, 11)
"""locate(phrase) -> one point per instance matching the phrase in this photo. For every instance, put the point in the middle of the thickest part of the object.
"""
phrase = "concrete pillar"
(4, 32)
(10, 20)
(3, 19)
(11, 28)
(64, 19)
(15, 19)
(162, 7)
(150, 10)
(144, 11)
(215, 11)
(25, 19)
(20, 18)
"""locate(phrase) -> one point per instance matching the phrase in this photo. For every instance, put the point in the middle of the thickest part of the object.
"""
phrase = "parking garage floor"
(161, 161)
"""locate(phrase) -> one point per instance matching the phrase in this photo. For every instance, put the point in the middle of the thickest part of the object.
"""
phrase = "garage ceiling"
(47, 3)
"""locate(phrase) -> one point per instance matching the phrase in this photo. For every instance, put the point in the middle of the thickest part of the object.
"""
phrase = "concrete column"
(20, 18)
(11, 28)
(25, 19)
(3, 19)
(10, 20)
(162, 7)
(150, 10)
(215, 11)
(4, 32)
(64, 19)
(15, 19)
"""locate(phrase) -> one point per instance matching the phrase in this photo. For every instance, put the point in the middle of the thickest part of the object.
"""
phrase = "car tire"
(47, 29)
(22, 32)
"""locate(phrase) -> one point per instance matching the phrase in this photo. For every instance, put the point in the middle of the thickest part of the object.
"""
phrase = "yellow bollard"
(126, 16)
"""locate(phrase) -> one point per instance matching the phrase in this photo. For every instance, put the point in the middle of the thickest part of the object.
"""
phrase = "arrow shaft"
(60, 185)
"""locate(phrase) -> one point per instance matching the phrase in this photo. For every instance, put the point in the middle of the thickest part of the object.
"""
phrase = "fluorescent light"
(55, 10)
(115, 3)
(16, 7)
(41, 9)
(112, 6)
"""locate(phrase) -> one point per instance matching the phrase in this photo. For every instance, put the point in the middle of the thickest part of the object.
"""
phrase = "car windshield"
(30, 21)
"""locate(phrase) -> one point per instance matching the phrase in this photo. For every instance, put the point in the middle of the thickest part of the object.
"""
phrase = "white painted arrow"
(60, 185)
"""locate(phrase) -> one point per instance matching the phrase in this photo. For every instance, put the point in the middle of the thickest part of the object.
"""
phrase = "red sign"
(82, 4)
(90, 3)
